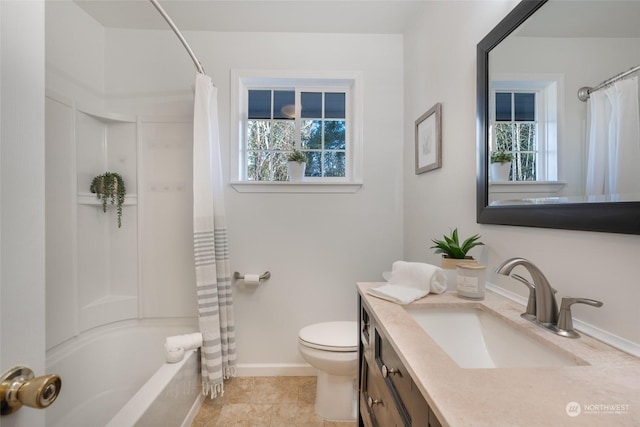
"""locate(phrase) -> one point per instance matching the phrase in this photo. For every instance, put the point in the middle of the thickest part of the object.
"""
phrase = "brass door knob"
(18, 387)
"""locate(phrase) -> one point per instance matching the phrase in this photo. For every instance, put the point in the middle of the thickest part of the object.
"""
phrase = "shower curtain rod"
(584, 92)
(180, 36)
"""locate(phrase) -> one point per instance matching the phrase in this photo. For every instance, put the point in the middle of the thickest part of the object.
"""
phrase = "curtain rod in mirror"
(584, 92)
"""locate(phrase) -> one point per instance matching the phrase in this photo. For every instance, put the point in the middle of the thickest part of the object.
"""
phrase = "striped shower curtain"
(211, 251)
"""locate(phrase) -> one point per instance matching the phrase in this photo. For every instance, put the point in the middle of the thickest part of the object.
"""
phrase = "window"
(524, 122)
(516, 132)
(281, 120)
(275, 115)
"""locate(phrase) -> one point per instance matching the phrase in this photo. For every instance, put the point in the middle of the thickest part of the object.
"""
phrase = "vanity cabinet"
(388, 395)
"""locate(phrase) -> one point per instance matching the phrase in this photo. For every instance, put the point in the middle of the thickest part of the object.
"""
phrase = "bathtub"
(116, 375)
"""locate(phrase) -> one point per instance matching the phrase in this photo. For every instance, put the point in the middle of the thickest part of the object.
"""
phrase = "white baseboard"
(275, 370)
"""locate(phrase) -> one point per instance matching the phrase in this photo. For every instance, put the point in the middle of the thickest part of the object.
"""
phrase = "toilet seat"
(341, 336)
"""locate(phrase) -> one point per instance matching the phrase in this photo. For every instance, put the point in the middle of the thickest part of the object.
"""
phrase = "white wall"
(315, 245)
(349, 237)
(440, 67)
(74, 52)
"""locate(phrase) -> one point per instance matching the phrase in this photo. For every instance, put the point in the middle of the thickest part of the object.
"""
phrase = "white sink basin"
(475, 338)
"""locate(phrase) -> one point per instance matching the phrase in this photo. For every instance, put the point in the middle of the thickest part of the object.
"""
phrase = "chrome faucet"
(542, 308)
(546, 308)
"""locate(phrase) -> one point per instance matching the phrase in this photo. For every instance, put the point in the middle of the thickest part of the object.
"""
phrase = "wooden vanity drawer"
(366, 326)
(395, 375)
(377, 400)
(394, 401)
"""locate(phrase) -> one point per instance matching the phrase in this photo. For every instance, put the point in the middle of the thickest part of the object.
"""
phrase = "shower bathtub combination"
(117, 377)
(110, 352)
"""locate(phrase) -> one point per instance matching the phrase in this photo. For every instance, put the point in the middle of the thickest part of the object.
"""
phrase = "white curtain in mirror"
(614, 142)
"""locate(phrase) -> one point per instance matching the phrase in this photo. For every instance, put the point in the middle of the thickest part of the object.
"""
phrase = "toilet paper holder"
(264, 276)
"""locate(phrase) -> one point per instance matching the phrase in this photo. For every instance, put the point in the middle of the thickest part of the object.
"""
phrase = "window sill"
(295, 187)
(526, 186)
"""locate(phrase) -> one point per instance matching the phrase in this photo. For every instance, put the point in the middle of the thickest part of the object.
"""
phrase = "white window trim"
(241, 79)
(550, 105)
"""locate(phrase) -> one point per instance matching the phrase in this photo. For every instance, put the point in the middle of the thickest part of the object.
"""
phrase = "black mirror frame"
(618, 217)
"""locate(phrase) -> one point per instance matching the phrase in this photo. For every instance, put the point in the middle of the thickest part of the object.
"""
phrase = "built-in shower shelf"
(91, 199)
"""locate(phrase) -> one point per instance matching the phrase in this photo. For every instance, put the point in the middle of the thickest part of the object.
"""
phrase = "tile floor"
(264, 402)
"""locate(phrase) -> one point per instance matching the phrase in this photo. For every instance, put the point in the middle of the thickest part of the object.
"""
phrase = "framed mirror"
(553, 193)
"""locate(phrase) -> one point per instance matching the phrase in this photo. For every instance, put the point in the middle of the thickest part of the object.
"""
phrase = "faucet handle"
(568, 302)
(565, 320)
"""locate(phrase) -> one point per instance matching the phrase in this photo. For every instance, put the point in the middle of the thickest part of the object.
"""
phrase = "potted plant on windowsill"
(453, 252)
(109, 188)
(500, 165)
(296, 164)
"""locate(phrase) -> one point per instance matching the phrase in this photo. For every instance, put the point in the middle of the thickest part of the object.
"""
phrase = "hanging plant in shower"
(109, 188)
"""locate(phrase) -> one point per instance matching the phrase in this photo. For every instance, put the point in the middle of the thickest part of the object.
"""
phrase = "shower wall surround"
(93, 265)
(90, 261)
(96, 272)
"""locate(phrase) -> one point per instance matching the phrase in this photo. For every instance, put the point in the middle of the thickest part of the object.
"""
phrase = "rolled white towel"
(185, 342)
(174, 355)
(418, 275)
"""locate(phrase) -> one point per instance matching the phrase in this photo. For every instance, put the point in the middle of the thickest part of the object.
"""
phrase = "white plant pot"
(296, 170)
(500, 171)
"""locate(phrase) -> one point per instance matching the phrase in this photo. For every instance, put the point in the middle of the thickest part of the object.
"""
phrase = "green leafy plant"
(501, 157)
(297, 156)
(452, 248)
(109, 188)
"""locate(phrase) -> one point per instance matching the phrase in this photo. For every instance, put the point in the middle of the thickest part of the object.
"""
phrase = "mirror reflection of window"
(524, 123)
(516, 132)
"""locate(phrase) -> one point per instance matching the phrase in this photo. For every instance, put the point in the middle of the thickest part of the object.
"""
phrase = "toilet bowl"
(332, 348)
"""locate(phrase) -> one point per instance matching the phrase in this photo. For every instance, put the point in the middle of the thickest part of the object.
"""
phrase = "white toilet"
(332, 348)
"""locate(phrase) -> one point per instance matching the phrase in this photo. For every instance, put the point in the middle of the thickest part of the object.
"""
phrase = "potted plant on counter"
(500, 165)
(453, 252)
(296, 164)
(109, 188)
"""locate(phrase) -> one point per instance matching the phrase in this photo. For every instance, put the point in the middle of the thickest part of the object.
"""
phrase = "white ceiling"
(602, 18)
(562, 18)
(318, 16)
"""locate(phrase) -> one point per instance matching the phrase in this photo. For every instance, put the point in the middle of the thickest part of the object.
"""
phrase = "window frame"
(549, 110)
(539, 113)
(348, 82)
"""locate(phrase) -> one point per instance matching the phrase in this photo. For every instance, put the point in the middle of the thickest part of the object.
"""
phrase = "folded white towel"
(184, 342)
(418, 275)
(397, 294)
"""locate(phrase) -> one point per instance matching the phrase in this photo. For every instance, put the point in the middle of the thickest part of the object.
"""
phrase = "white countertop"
(607, 388)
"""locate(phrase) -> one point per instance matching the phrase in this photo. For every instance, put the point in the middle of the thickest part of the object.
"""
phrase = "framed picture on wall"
(429, 140)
